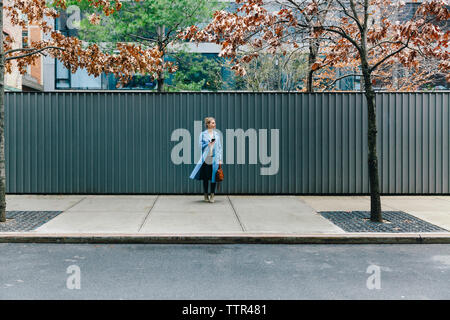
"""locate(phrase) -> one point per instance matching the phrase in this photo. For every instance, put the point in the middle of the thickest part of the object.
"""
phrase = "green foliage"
(179, 86)
(196, 72)
(142, 19)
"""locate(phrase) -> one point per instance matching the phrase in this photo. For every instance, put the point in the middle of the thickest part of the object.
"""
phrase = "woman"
(208, 164)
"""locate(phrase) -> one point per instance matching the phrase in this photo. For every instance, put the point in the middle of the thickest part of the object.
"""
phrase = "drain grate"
(17, 221)
(394, 221)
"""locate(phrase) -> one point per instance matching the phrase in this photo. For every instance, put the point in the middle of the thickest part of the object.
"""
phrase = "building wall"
(35, 34)
(48, 63)
(33, 80)
(14, 78)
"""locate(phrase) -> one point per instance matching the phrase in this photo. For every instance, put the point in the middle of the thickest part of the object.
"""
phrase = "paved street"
(40, 271)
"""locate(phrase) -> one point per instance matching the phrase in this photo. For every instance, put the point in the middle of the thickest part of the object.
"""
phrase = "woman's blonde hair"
(208, 120)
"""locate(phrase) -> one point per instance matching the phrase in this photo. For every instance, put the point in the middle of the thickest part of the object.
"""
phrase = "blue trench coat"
(203, 140)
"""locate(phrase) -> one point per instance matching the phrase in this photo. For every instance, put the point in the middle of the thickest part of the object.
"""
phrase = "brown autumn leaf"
(315, 66)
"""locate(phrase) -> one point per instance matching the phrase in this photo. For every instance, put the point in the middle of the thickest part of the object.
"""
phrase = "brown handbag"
(219, 176)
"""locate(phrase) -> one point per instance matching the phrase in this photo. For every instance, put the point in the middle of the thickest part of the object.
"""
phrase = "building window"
(24, 38)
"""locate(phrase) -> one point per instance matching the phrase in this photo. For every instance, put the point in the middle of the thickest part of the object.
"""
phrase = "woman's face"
(212, 124)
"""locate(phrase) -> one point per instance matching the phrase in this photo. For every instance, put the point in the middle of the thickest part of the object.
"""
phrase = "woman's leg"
(205, 185)
(213, 189)
(205, 190)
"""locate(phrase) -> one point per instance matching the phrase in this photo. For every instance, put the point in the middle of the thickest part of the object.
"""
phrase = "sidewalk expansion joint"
(74, 204)
(148, 214)
(236, 214)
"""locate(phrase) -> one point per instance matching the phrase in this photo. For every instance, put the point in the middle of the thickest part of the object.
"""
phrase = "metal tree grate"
(395, 222)
(17, 221)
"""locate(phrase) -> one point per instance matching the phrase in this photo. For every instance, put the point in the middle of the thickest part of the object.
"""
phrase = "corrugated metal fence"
(116, 142)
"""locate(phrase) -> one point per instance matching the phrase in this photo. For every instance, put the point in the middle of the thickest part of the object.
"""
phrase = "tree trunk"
(312, 57)
(160, 30)
(160, 83)
(160, 78)
(375, 202)
(2, 126)
(309, 80)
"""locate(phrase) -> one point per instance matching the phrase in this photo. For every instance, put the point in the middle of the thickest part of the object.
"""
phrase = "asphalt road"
(66, 271)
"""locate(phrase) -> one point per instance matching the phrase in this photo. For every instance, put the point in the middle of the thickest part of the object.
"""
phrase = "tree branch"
(342, 33)
(383, 42)
(143, 38)
(371, 69)
(355, 17)
(30, 53)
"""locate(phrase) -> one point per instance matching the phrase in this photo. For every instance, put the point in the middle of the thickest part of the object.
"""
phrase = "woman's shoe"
(206, 198)
(211, 198)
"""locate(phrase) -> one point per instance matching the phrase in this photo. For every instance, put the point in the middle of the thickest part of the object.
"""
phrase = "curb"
(353, 238)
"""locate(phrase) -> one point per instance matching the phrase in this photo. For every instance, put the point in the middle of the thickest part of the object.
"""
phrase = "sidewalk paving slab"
(187, 214)
(102, 214)
(422, 204)
(94, 222)
(447, 198)
(341, 203)
(287, 214)
(37, 202)
(123, 203)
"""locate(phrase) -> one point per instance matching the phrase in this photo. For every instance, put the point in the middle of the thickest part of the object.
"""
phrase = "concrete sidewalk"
(185, 217)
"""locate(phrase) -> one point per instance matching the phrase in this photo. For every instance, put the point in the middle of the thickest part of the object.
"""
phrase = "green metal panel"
(110, 142)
